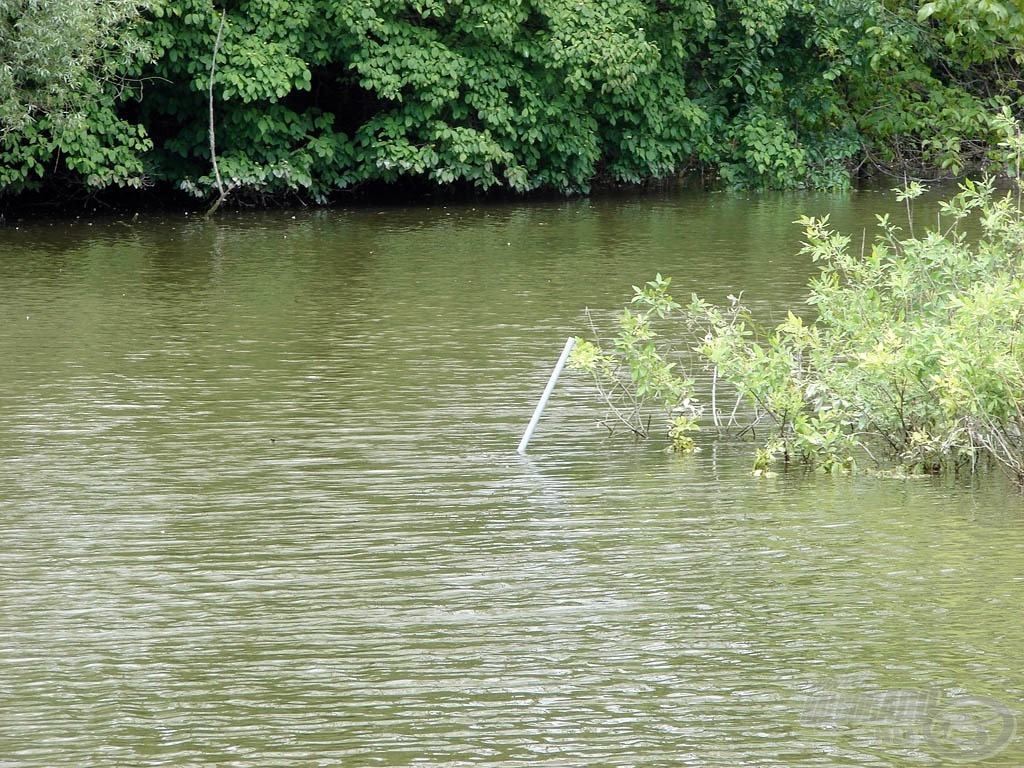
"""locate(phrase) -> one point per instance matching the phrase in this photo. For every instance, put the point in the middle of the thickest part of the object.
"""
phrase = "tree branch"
(221, 192)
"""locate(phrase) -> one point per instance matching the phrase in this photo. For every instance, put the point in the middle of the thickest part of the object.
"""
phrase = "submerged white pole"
(569, 343)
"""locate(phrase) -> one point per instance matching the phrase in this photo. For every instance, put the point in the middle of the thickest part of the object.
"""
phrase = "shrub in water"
(916, 356)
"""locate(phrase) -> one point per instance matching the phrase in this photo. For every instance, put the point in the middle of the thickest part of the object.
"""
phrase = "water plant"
(636, 373)
(909, 352)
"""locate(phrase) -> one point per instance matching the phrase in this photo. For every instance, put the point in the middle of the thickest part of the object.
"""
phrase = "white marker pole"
(569, 343)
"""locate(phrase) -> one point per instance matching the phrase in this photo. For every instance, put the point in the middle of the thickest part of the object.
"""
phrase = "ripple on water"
(266, 510)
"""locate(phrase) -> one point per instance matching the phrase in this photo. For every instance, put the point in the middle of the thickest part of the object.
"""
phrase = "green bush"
(312, 97)
(915, 357)
(62, 88)
(637, 376)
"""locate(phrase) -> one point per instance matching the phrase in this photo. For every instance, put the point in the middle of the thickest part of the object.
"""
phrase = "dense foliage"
(62, 89)
(49, 53)
(915, 357)
(315, 96)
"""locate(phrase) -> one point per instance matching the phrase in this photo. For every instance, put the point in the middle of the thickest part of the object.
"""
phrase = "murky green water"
(260, 506)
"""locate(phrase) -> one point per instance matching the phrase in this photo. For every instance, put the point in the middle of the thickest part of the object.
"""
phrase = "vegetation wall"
(310, 98)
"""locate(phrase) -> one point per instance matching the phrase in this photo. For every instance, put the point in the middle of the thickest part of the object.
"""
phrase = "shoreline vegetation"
(129, 104)
(907, 355)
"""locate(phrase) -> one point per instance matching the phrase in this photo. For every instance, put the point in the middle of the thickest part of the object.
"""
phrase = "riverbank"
(54, 204)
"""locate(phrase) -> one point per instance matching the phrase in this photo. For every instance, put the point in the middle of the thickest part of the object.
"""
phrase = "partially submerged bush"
(636, 377)
(916, 356)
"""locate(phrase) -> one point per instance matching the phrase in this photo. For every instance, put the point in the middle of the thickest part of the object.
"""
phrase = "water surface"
(260, 505)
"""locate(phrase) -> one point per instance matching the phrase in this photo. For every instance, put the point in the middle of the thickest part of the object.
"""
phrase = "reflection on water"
(261, 506)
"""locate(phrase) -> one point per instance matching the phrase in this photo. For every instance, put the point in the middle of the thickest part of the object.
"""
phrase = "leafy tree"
(978, 31)
(936, 77)
(320, 95)
(50, 54)
(315, 96)
(60, 91)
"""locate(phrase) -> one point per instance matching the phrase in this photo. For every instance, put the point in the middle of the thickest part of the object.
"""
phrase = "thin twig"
(221, 192)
